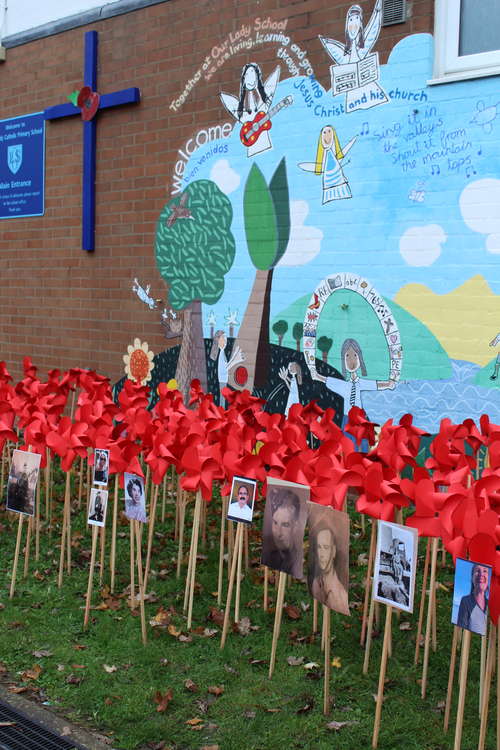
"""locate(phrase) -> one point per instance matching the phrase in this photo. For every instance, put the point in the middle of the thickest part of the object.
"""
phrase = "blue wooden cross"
(115, 99)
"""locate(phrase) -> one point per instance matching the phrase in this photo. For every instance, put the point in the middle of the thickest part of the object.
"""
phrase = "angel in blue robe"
(329, 156)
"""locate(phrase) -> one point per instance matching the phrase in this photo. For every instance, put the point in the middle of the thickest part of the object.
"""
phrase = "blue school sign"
(22, 166)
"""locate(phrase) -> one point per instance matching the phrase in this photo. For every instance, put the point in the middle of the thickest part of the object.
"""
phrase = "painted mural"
(341, 245)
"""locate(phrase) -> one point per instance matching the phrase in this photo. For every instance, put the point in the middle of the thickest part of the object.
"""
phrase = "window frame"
(448, 65)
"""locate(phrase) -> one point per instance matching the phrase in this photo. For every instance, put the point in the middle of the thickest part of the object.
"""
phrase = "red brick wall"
(59, 304)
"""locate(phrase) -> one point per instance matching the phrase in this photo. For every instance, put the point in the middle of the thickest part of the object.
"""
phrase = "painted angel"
(357, 53)
(329, 157)
(254, 101)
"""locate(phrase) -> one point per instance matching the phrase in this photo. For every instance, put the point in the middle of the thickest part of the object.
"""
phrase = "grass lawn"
(106, 679)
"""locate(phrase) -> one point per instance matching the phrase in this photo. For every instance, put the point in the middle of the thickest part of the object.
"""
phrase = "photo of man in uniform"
(284, 522)
(21, 486)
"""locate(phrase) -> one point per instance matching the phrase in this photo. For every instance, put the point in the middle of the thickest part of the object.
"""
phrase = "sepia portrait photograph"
(328, 561)
(97, 507)
(241, 500)
(395, 565)
(21, 486)
(135, 498)
(285, 517)
(101, 466)
(471, 592)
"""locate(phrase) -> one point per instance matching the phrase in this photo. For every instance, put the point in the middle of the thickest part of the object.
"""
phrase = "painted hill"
(348, 315)
(464, 320)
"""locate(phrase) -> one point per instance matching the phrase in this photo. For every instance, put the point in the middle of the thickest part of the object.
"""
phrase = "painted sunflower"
(138, 362)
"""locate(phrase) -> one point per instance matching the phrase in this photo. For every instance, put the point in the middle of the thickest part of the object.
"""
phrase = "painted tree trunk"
(297, 344)
(192, 362)
(280, 339)
(253, 336)
(324, 356)
(231, 332)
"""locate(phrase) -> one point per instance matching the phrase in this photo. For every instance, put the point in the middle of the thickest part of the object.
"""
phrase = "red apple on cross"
(88, 101)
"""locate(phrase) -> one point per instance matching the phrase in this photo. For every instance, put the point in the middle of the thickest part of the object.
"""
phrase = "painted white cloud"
(421, 246)
(224, 176)
(305, 241)
(480, 208)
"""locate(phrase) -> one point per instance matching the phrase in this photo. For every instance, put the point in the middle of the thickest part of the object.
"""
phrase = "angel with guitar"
(252, 108)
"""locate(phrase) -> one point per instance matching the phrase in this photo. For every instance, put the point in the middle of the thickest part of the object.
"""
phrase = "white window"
(467, 39)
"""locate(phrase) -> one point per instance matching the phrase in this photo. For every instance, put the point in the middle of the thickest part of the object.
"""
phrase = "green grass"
(253, 712)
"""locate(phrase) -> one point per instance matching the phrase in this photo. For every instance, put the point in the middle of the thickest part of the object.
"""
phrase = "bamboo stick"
(381, 678)
(91, 575)
(152, 521)
(27, 547)
(451, 677)
(277, 621)
(102, 559)
(464, 666)
(230, 586)
(196, 531)
(16, 555)
(37, 521)
(140, 581)
(265, 603)
(239, 553)
(221, 549)
(430, 610)
(368, 578)
(132, 566)
(487, 686)
(113, 535)
(181, 500)
(422, 599)
(369, 634)
(326, 630)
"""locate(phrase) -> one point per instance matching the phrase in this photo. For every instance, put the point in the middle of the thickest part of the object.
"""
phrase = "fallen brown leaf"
(33, 673)
(173, 631)
(72, 679)
(194, 722)
(191, 686)
(295, 661)
(243, 626)
(40, 654)
(293, 612)
(161, 619)
(336, 662)
(216, 690)
(216, 615)
(79, 647)
(162, 700)
(16, 689)
(306, 707)
(185, 638)
(405, 626)
(337, 725)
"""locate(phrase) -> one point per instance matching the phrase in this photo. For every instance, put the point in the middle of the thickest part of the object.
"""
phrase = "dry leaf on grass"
(161, 619)
(191, 686)
(336, 662)
(79, 647)
(306, 707)
(185, 638)
(109, 669)
(311, 665)
(15, 689)
(163, 699)
(72, 679)
(295, 661)
(33, 673)
(337, 725)
(194, 722)
(216, 690)
(243, 626)
(173, 631)
(40, 654)
(216, 615)
(65, 731)
(292, 611)
(209, 632)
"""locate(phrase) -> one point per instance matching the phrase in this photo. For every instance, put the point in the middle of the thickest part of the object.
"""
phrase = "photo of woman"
(135, 501)
(328, 565)
(101, 466)
(470, 595)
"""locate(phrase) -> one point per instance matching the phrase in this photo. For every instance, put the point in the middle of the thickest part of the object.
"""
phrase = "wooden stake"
(95, 529)
(27, 547)
(434, 616)
(422, 600)
(369, 633)
(221, 549)
(315, 617)
(140, 580)
(326, 630)
(187, 587)
(430, 611)
(451, 677)
(37, 521)
(164, 498)
(16, 555)
(196, 531)
(152, 520)
(80, 484)
(64, 530)
(181, 502)
(246, 530)
(277, 620)
(381, 678)
(371, 555)
(464, 666)
(239, 554)
(227, 611)
(102, 555)
(487, 685)
(113, 535)
(132, 566)
(482, 669)
(265, 603)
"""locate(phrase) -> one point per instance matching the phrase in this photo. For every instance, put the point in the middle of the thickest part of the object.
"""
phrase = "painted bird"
(180, 211)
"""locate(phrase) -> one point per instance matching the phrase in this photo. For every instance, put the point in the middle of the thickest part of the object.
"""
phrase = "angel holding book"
(357, 68)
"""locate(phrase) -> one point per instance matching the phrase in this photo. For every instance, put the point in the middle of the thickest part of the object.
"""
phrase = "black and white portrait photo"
(395, 565)
(135, 499)
(285, 517)
(21, 486)
(328, 562)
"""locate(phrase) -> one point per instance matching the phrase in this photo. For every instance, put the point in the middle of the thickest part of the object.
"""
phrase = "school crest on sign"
(15, 157)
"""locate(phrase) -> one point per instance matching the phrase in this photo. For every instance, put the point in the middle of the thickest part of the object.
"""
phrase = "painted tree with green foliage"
(280, 328)
(297, 333)
(194, 249)
(324, 345)
(266, 209)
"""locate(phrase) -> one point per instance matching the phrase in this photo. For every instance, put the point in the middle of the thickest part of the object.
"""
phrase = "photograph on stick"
(471, 593)
(135, 498)
(101, 466)
(328, 561)
(242, 499)
(21, 485)
(395, 565)
(97, 507)
(285, 517)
